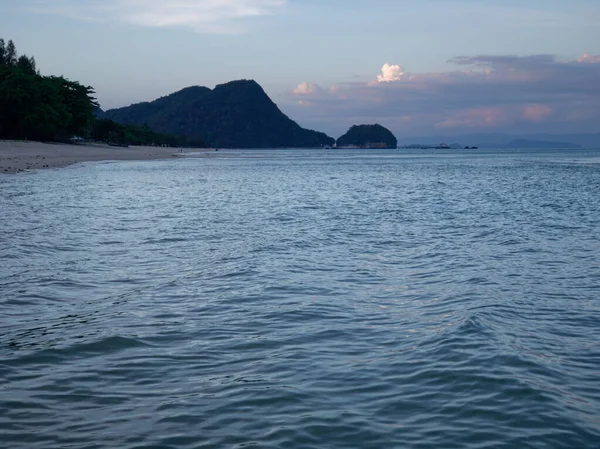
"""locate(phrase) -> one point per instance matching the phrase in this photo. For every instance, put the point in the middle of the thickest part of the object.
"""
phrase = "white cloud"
(390, 73)
(306, 88)
(504, 93)
(203, 16)
(589, 58)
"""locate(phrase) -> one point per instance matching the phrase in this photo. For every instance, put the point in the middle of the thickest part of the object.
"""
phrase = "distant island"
(367, 136)
(237, 114)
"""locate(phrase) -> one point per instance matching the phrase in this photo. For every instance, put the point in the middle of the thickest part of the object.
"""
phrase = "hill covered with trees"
(368, 136)
(53, 108)
(238, 114)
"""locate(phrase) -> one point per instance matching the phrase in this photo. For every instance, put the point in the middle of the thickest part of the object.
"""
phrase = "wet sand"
(19, 156)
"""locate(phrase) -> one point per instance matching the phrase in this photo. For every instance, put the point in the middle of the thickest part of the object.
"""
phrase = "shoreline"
(21, 156)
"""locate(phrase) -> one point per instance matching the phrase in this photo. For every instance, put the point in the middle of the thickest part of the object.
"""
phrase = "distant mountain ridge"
(238, 114)
(532, 144)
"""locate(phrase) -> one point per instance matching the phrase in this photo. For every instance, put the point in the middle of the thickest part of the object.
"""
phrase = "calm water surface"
(303, 299)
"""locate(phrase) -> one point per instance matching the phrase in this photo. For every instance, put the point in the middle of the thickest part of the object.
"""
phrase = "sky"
(419, 67)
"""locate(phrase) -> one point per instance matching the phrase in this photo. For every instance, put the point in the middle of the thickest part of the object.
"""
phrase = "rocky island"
(367, 136)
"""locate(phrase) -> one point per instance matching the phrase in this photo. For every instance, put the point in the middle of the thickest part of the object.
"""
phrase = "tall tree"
(2, 52)
(80, 102)
(10, 58)
(43, 108)
(54, 108)
(26, 64)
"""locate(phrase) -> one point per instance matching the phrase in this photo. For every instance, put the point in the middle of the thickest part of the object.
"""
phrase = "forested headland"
(54, 108)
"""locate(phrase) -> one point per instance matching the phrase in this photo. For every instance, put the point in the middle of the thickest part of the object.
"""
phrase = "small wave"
(40, 353)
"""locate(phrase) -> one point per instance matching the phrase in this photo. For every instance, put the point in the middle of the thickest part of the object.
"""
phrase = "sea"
(303, 299)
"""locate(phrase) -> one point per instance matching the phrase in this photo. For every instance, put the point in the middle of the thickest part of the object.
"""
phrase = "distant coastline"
(504, 142)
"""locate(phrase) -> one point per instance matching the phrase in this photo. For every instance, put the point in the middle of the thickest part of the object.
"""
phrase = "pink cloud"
(498, 93)
(536, 113)
(589, 59)
(475, 118)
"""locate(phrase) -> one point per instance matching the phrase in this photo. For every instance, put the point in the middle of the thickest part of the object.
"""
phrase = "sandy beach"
(19, 156)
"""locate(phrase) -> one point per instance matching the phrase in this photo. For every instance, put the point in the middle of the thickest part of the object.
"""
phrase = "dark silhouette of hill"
(538, 144)
(368, 136)
(238, 114)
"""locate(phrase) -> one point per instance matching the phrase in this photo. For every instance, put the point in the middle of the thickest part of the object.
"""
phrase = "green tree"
(2, 52)
(80, 103)
(55, 108)
(30, 107)
(104, 130)
(26, 65)
(10, 58)
(43, 108)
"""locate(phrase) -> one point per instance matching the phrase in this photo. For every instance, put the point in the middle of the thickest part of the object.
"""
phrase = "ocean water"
(303, 299)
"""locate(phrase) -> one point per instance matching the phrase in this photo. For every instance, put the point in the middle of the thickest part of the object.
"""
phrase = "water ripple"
(347, 300)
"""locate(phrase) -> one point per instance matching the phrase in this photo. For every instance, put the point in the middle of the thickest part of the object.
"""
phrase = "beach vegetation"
(37, 107)
(109, 131)
(2, 52)
(54, 108)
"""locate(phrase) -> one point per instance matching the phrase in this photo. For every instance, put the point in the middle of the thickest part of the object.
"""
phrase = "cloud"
(591, 59)
(475, 118)
(503, 60)
(306, 88)
(390, 73)
(536, 113)
(499, 93)
(203, 16)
